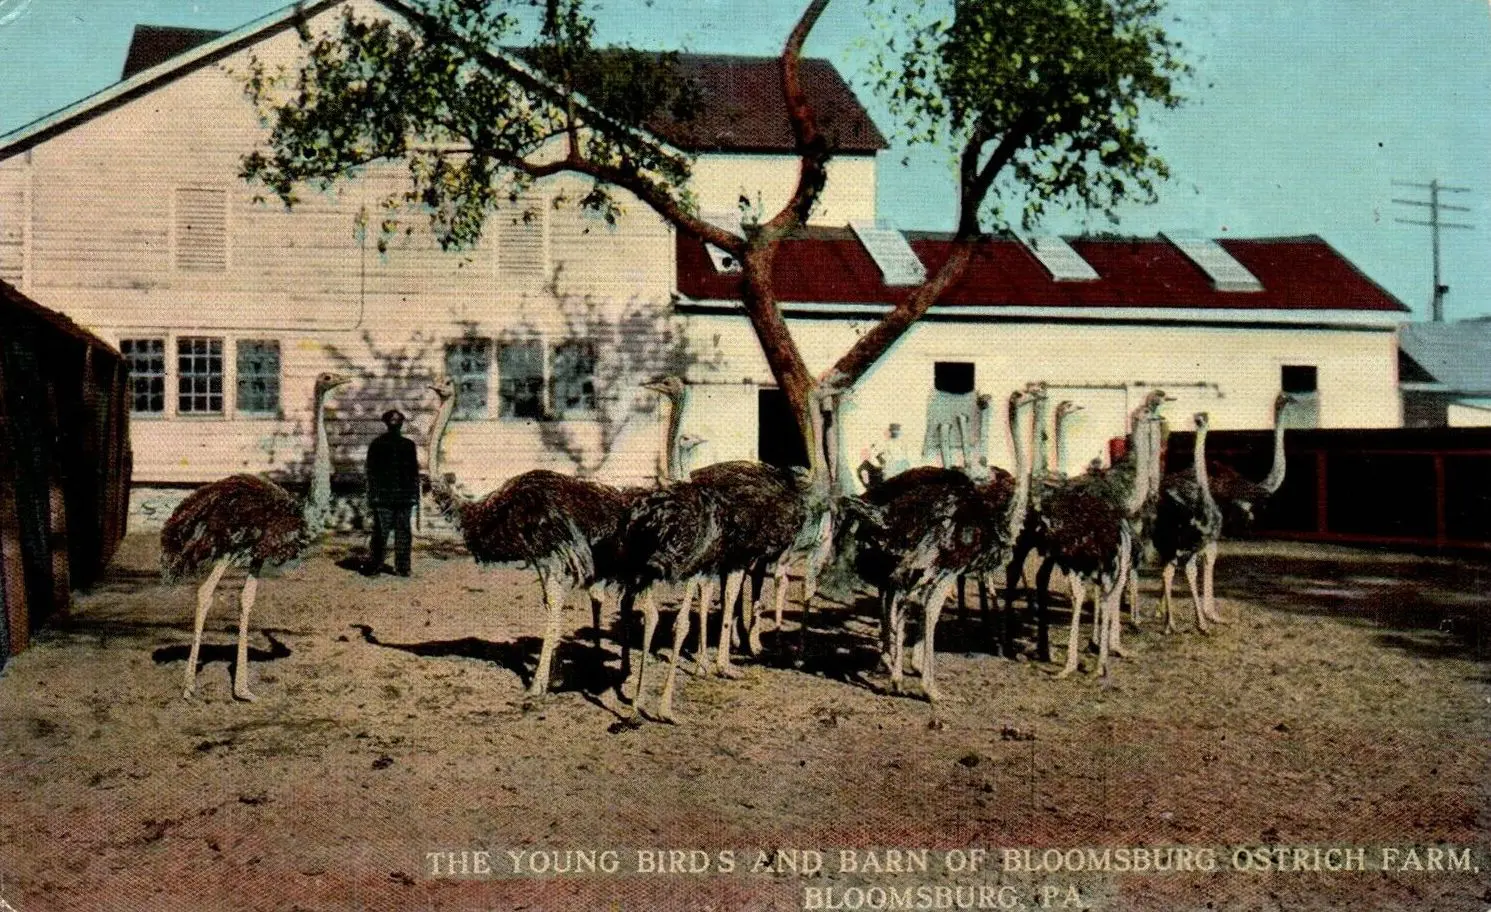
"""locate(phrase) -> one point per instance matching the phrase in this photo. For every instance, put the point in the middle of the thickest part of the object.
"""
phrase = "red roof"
(831, 266)
(740, 98)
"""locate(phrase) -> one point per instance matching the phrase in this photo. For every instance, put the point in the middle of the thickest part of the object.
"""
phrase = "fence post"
(1322, 493)
(1441, 526)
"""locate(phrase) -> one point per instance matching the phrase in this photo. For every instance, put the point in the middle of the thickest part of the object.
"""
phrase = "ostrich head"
(1280, 401)
(328, 381)
(670, 386)
(1154, 401)
(1203, 421)
(1066, 407)
(444, 388)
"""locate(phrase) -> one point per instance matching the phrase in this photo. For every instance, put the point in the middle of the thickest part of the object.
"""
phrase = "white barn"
(125, 212)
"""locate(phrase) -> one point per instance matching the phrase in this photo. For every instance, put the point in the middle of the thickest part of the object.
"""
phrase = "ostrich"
(1188, 523)
(669, 535)
(937, 524)
(1085, 527)
(1238, 498)
(768, 515)
(567, 529)
(246, 521)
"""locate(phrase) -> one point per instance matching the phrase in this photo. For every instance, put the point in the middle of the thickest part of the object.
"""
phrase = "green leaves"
(447, 96)
(1043, 96)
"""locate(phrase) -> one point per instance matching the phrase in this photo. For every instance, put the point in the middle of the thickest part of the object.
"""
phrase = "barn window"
(259, 376)
(1302, 383)
(952, 376)
(199, 376)
(520, 369)
(572, 388)
(201, 223)
(468, 363)
(1299, 378)
(146, 361)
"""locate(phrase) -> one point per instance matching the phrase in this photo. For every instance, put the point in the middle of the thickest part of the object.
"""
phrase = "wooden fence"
(1403, 487)
(64, 463)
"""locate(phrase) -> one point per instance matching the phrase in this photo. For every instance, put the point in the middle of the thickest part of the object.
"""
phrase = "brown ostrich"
(246, 521)
(1239, 498)
(1086, 527)
(567, 529)
(1188, 524)
(937, 524)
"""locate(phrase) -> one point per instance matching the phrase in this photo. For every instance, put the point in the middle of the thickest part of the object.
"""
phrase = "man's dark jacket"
(393, 471)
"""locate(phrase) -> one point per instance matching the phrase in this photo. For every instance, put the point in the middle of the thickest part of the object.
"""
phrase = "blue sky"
(1303, 112)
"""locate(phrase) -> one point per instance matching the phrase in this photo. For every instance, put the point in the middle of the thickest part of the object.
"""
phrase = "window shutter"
(201, 229)
(523, 244)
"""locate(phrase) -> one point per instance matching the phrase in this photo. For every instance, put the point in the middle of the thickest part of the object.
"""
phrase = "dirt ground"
(1345, 705)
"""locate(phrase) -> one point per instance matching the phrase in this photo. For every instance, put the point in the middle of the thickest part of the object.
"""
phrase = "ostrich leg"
(727, 624)
(1209, 568)
(896, 624)
(649, 630)
(1079, 596)
(680, 633)
(1167, 575)
(553, 603)
(597, 606)
(204, 602)
(931, 611)
(1195, 598)
(246, 603)
(1041, 596)
(1111, 609)
(706, 596)
(1133, 586)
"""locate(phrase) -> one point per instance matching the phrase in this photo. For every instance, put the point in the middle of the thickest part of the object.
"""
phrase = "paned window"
(146, 360)
(259, 376)
(199, 376)
(469, 364)
(572, 382)
(520, 369)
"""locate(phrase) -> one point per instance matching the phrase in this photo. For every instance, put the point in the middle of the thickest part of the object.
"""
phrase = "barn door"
(778, 441)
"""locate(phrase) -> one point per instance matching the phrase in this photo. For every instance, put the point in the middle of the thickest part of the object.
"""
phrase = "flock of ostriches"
(914, 537)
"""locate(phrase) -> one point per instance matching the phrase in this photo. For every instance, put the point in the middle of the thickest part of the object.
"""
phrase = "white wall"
(1231, 373)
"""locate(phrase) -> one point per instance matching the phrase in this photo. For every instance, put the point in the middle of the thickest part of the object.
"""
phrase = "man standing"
(393, 489)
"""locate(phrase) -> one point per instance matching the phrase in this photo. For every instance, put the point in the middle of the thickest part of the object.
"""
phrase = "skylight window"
(1226, 273)
(898, 263)
(1064, 263)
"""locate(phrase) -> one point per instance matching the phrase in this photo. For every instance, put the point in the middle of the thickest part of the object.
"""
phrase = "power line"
(1435, 223)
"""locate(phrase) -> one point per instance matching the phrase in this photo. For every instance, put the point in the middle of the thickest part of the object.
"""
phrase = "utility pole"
(1434, 223)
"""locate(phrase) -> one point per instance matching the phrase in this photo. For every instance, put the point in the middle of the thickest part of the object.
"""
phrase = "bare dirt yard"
(1344, 709)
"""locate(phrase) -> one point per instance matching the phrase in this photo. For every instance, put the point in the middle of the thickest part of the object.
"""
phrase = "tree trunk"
(782, 355)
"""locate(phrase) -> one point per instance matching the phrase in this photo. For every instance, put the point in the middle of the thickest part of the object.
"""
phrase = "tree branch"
(812, 147)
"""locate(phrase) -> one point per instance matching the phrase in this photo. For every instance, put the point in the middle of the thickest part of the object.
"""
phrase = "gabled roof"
(829, 266)
(153, 45)
(155, 73)
(740, 110)
(1456, 355)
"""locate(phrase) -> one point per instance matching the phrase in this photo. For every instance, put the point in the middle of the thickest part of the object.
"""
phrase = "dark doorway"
(778, 441)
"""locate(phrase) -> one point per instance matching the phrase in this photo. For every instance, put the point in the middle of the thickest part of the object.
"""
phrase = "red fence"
(64, 463)
(1407, 487)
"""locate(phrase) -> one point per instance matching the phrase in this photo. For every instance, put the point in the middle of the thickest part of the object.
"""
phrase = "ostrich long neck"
(449, 502)
(1203, 482)
(1041, 468)
(1275, 478)
(1058, 442)
(1020, 501)
(318, 500)
(1141, 456)
(673, 469)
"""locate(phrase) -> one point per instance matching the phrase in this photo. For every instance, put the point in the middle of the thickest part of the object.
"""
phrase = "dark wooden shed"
(64, 463)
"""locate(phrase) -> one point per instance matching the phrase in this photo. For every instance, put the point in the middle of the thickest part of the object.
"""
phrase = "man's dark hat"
(393, 416)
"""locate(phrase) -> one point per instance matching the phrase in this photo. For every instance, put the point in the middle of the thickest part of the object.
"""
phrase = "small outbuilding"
(64, 463)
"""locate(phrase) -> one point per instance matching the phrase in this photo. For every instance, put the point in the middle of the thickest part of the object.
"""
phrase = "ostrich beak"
(339, 380)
